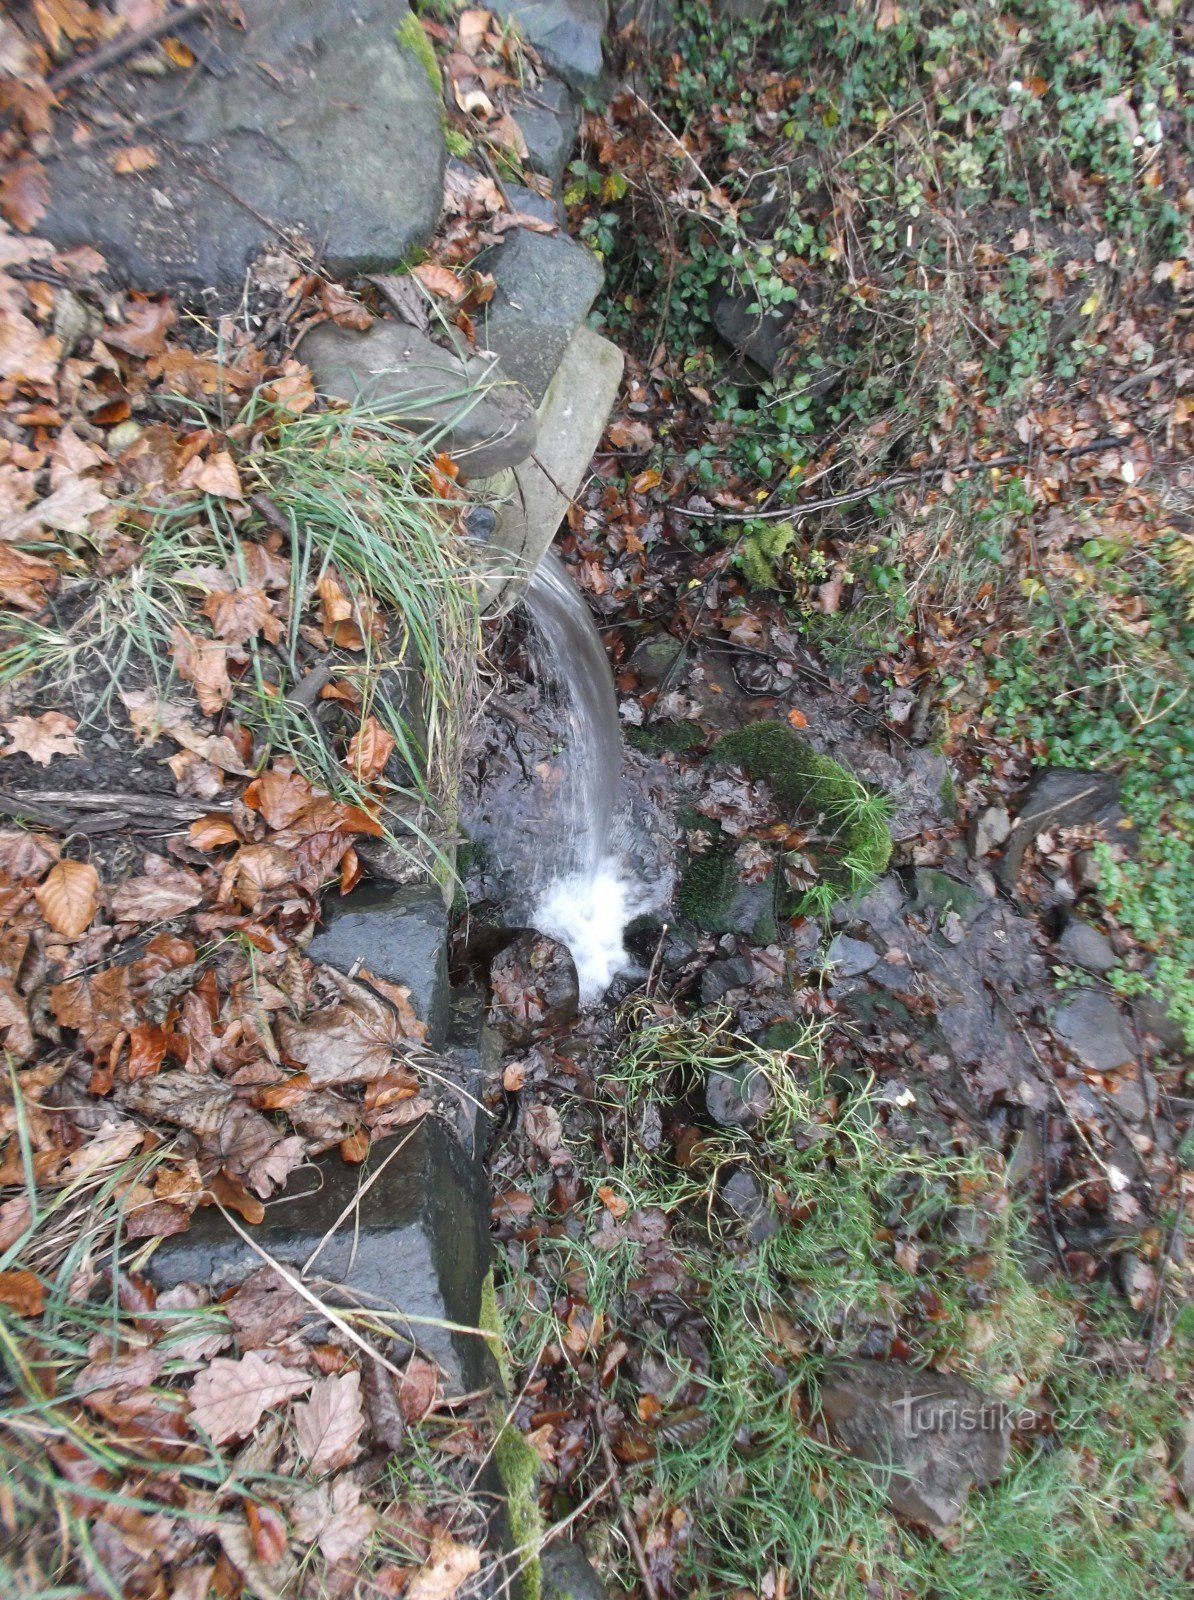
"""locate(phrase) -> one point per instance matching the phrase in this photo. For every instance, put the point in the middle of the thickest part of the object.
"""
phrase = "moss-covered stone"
(804, 780)
(656, 737)
(410, 34)
(516, 1461)
(708, 890)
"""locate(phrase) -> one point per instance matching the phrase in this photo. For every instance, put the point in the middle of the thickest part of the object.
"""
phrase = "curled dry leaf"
(25, 856)
(418, 1388)
(151, 717)
(210, 832)
(23, 1292)
(41, 738)
(25, 580)
(69, 897)
(370, 747)
(203, 662)
(328, 1425)
(447, 1566)
(25, 194)
(217, 476)
(441, 281)
(242, 615)
(231, 1397)
(134, 158)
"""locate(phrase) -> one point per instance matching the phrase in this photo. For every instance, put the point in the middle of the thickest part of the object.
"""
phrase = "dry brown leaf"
(447, 1566)
(242, 615)
(41, 738)
(418, 1388)
(350, 1043)
(144, 331)
(441, 281)
(74, 502)
(344, 309)
(69, 897)
(203, 662)
(332, 1515)
(24, 856)
(25, 194)
(134, 158)
(16, 1031)
(157, 898)
(334, 604)
(152, 717)
(231, 1397)
(26, 355)
(23, 1292)
(25, 580)
(370, 747)
(472, 28)
(208, 833)
(506, 132)
(253, 872)
(328, 1425)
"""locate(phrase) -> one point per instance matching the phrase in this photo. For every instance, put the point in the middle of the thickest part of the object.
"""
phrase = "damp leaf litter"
(596, 972)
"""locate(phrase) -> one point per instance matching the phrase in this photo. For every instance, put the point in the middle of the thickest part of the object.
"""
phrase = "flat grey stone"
(741, 1195)
(758, 335)
(989, 830)
(1091, 1027)
(417, 1242)
(318, 119)
(566, 33)
(739, 1097)
(931, 1435)
(939, 893)
(550, 121)
(400, 934)
(1062, 797)
(850, 958)
(545, 285)
(532, 499)
(1084, 946)
(484, 421)
(567, 1575)
(1152, 1014)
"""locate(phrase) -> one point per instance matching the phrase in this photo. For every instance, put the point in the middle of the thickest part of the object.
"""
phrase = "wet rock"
(1092, 1028)
(989, 830)
(930, 1435)
(400, 934)
(416, 1241)
(741, 1195)
(879, 908)
(486, 423)
(739, 1097)
(1153, 1016)
(653, 659)
(719, 977)
(544, 287)
(937, 893)
(534, 987)
(850, 958)
(319, 118)
(1061, 797)
(758, 335)
(532, 499)
(566, 33)
(550, 120)
(642, 940)
(1084, 946)
(567, 1575)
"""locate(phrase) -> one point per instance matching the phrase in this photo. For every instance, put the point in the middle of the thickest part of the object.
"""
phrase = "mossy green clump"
(804, 780)
(708, 890)
(411, 36)
(657, 737)
(516, 1461)
(784, 1036)
(762, 553)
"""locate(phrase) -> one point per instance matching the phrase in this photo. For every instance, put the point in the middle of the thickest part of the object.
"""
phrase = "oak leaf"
(42, 738)
(231, 1397)
(69, 897)
(329, 1423)
(242, 615)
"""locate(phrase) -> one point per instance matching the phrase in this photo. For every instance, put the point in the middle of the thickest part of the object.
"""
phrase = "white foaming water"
(588, 912)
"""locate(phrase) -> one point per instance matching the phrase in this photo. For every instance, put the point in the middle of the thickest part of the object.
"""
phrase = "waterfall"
(580, 893)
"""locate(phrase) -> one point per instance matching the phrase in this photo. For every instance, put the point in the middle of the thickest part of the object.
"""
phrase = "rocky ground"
(842, 1249)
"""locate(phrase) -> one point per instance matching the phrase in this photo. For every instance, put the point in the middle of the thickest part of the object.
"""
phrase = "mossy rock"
(516, 1461)
(708, 890)
(803, 780)
(656, 737)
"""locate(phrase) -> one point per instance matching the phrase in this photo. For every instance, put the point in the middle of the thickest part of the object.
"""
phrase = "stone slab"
(566, 33)
(532, 499)
(400, 934)
(545, 285)
(482, 419)
(315, 118)
(417, 1242)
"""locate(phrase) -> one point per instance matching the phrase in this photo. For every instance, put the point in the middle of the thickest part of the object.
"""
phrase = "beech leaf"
(69, 897)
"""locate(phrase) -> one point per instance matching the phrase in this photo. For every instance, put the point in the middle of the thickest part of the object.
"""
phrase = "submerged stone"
(535, 986)
(483, 421)
(414, 1241)
(315, 118)
(400, 934)
(931, 1435)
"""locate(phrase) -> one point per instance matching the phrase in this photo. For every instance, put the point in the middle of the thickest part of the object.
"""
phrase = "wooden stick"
(128, 44)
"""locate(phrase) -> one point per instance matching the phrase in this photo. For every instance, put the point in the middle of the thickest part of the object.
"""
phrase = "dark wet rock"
(567, 1575)
(642, 940)
(1061, 797)
(545, 285)
(531, 203)
(416, 1241)
(850, 958)
(1090, 1025)
(878, 908)
(319, 118)
(931, 1435)
(719, 977)
(757, 334)
(534, 987)
(654, 658)
(741, 1195)
(400, 934)
(566, 33)
(487, 423)
(1084, 946)
(550, 120)
(739, 1097)
(989, 830)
